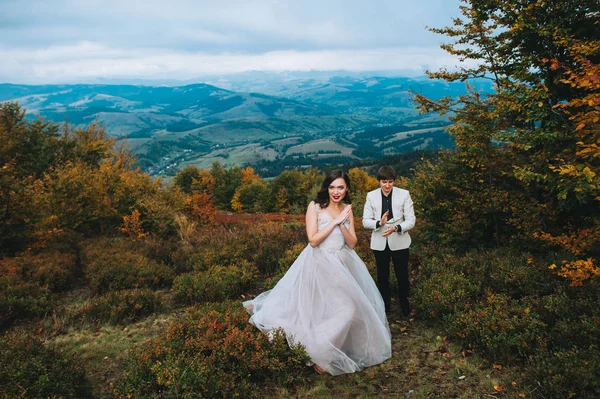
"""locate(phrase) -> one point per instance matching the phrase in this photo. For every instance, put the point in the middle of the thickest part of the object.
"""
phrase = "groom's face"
(386, 186)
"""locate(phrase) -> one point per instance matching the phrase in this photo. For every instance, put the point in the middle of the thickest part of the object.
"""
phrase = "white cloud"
(87, 60)
(67, 40)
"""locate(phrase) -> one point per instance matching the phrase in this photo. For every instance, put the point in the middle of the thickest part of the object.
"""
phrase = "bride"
(327, 300)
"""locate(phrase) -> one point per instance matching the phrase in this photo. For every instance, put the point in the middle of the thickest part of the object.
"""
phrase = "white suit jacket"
(404, 215)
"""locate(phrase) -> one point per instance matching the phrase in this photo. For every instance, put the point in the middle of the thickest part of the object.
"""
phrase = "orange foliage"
(361, 181)
(248, 176)
(578, 271)
(202, 208)
(132, 226)
(204, 183)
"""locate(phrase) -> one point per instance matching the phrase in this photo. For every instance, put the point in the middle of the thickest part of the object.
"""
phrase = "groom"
(389, 213)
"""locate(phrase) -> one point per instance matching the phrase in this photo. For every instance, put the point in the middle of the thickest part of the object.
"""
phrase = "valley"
(295, 121)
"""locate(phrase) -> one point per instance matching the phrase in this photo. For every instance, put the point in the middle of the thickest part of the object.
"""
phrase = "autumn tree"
(293, 190)
(27, 150)
(184, 179)
(532, 140)
(226, 182)
(52, 182)
(252, 195)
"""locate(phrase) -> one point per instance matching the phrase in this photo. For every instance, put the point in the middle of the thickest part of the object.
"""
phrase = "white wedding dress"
(329, 302)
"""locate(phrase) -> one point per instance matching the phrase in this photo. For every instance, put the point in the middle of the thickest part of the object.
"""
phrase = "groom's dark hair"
(323, 194)
(386, 173)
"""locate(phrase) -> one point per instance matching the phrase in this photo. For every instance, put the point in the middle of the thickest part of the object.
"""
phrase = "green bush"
(113, 268)
(212, 352)
(120, 307)
(29, 369)
(499, 325)
(19, 299)
(517, 276)
(204, 257)
(285, 262)
(443, 294)
(55, 270)
(266, 242)
(572, 372)
(216, 284)
(162, 251)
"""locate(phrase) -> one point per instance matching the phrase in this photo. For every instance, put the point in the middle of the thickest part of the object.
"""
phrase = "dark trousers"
(400, 261)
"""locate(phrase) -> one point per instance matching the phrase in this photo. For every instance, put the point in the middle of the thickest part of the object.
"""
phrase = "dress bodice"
(335, 240)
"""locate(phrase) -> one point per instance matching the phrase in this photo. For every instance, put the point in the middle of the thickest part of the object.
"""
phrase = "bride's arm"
(349, 233)
(316, 237)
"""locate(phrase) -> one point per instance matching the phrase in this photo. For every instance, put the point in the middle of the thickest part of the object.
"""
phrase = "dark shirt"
(386, 204)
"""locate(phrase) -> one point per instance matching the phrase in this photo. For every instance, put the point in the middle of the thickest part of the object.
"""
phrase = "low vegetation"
(114, 284)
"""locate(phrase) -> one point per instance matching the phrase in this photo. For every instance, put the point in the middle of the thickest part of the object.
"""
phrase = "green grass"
(423, 365)
(105, 349)
(318, 145)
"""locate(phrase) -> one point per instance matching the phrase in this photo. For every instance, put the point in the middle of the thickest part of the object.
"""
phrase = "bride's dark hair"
(323, 194)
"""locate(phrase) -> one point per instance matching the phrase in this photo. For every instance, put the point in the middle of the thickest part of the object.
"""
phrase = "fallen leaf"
(403, 329)
(442, 372)
(497, 366)
(498, 387)
(412, 371)
(462, 377)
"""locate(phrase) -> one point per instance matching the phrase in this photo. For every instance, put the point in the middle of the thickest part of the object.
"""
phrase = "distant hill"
(168, 127)
(360, 91)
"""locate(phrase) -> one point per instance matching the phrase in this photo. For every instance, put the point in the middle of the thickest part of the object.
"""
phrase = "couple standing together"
(327, 300)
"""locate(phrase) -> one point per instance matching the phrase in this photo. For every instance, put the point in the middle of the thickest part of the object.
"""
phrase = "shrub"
(443, 294)
(212, 352)
(19, 299)
(120, 307)
(55, 270)
(161, 251)
(214, 285)
(112, 268)
(267, 240)
(285, 262)
(226, 253)
(565, 373)
(28, 368)
(516, 275)
(500, 326)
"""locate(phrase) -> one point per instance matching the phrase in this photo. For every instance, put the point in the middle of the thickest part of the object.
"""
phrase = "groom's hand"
(384, 218)
(389, 230)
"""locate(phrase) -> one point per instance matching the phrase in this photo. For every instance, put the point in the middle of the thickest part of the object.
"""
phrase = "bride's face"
(337, 190)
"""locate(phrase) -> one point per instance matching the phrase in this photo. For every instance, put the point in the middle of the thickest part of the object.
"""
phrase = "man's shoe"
(404, 307)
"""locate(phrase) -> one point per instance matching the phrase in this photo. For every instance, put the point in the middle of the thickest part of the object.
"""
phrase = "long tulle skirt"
(329, 302)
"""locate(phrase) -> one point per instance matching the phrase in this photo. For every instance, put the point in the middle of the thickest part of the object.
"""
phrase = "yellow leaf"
(498, 387)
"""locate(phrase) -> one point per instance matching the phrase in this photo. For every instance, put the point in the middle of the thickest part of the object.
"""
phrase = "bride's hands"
(343, 216)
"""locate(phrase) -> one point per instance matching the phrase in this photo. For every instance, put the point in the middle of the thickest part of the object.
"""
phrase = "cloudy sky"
(63, 41)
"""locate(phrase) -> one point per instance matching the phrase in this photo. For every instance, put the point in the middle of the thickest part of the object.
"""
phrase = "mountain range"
(250, 120)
